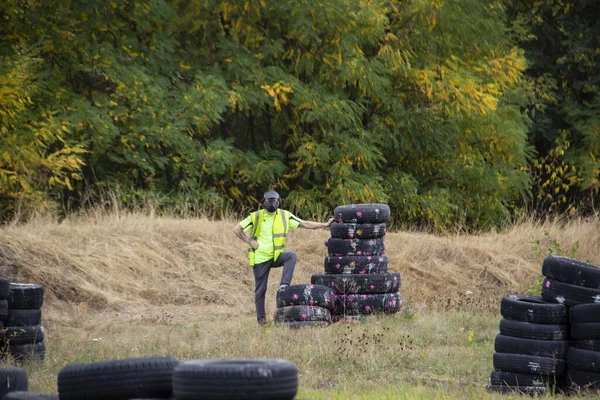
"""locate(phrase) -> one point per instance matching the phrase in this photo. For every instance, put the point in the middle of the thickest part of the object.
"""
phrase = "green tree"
(204, 104)
(562, 42)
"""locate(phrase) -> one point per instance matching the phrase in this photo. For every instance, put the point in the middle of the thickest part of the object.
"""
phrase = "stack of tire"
(304, 305)
(22, 335)
(356, 267)
(576, 284)
(531, 348)
(162, 378)
(167, 378)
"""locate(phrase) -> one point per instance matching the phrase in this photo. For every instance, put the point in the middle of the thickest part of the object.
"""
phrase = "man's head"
(271, 201)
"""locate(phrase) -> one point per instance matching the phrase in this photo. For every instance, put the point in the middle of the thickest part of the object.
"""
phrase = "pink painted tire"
(362, 213)
(355, 247)
(306, 295)
(364, 304)
(356, 264)
(357, 231)
(388, 282)
(302, 313)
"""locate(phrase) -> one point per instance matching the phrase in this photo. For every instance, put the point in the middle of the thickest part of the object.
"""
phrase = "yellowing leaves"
(279, 94)
(131, 53)
(227, 8)
(233, 98)
(466, 87)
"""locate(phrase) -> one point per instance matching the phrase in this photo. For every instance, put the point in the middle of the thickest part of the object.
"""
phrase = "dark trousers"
(287, 260)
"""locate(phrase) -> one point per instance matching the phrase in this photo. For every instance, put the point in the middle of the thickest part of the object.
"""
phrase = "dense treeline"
(454, 112)
(562, 44)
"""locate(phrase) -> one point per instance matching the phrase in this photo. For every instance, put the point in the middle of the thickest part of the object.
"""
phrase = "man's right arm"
(239, 232)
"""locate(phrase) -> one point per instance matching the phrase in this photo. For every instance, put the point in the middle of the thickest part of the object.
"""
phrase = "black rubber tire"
(306, 295)
(500, 378)
(569, 295)
(302, 313)
(357, 231)
(227, 379)
(583, 379)
(527, 330)
(3, 310)
(586, 344)
(303, 324)
(584, 313)
(355, 283)
(368, 213)
(585, 330)
(583, 360)
(362, 304)
(356, 264)
(26, 296)
(18, 317)
(348, 319)
(118, 379)
(532, 347)
(32, 351)
(532, 309)
(12, 379)
(571, 271)
(22, 334)
(4, 289)
(355, 247)
(528, 390)
(20, 395)
(527, 364)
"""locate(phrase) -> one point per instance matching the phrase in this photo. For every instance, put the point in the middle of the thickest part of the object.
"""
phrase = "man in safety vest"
(268, 230)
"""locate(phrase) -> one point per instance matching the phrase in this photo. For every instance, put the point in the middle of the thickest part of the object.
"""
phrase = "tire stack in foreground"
(162, 378)
(576, 284)
(23, 335)
(304, 305)
(167, 378)
(531, 348)
(356, 267)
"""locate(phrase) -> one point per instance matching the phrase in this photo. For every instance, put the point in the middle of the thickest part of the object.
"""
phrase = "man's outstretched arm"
(315, 225)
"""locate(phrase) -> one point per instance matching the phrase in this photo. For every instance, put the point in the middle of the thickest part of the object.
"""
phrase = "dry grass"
(123, 262)
(145, 285)
(420, 356)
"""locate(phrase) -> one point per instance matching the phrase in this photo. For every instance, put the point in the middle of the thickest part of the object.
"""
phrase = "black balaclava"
(271, 207)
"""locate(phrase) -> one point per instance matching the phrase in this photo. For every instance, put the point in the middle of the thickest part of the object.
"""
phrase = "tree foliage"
(562, 44)
(204, 104)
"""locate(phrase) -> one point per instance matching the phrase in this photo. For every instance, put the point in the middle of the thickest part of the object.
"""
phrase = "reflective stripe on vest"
(280, 230)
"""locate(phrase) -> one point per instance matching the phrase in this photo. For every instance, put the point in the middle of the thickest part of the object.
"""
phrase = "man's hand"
(316, 225)
(254, 244)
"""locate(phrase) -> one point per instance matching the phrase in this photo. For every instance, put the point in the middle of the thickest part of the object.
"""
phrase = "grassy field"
(124, 285)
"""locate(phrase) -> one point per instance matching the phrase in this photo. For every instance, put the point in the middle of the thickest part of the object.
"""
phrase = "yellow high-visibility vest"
(280, 230)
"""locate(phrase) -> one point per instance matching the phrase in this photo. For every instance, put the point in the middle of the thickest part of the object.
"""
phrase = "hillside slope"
(134, 262)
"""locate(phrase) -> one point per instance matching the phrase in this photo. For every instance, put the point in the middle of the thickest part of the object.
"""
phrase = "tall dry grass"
(123, 261)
